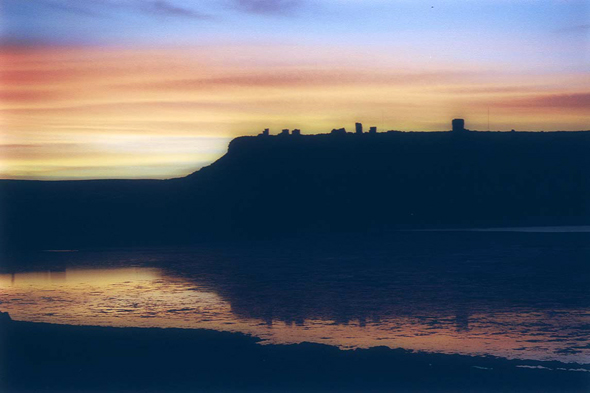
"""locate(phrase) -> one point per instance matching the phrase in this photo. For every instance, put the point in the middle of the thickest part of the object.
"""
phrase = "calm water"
(514, 295)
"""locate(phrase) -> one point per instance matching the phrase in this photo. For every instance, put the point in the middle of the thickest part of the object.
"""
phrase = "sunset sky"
(157, 88)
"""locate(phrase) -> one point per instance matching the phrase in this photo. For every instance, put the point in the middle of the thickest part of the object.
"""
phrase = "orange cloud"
(304, 78)
(569, 102)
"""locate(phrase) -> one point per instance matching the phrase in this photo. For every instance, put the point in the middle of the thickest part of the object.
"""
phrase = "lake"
(516, 295)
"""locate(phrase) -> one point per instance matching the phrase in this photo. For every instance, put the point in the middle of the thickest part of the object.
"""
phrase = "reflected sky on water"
(511, 295)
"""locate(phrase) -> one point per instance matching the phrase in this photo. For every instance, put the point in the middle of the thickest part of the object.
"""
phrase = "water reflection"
(73, 277)
(511, 296)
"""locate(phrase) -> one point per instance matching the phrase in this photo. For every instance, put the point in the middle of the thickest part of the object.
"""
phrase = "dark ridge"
(289, 185)
(59, 358)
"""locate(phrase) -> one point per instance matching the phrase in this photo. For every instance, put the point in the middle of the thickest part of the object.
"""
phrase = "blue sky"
(325, 21)
(549, 33)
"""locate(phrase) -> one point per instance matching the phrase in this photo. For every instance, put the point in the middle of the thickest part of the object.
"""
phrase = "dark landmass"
(287, 185)
(59, 358)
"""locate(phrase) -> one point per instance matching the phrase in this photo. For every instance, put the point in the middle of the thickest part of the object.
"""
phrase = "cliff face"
(387, 180)
(266, 186)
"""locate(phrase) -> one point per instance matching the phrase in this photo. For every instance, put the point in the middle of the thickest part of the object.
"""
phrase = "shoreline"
(47, 357)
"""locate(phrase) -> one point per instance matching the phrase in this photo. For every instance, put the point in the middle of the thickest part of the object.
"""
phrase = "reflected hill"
(446, 276)
(522, 295)
(288, 185)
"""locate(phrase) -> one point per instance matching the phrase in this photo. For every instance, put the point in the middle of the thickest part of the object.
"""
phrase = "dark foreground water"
(517, 295)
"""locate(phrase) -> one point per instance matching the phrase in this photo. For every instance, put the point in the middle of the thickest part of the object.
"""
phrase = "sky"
(157, 88)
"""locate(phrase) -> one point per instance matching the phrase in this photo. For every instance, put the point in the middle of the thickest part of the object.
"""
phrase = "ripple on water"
(161, 297)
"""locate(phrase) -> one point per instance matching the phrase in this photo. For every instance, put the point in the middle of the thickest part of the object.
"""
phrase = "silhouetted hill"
(287, 185)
